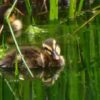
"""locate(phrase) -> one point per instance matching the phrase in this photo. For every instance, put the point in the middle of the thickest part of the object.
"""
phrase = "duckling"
(47, 60)
(16, 25)
(52, 51)
(56, 61)
(15, 22)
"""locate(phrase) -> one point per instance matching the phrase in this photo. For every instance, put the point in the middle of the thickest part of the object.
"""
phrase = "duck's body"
(44, 59)
(34, 57)
(30, 53)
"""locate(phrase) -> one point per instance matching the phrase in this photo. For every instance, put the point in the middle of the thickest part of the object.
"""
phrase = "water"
(80, 78)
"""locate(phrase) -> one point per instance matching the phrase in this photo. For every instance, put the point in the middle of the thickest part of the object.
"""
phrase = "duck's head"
(15, 22)
(51, 47)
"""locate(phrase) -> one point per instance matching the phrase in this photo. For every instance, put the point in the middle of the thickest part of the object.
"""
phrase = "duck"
(15, 23)
(45, 62)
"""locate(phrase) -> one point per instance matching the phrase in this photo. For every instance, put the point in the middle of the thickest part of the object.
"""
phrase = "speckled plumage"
(41, 59)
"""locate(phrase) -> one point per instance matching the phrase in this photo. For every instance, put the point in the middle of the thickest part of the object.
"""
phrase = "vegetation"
(76, 28)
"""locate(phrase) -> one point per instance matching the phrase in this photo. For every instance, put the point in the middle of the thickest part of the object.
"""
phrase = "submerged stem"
(8, 84)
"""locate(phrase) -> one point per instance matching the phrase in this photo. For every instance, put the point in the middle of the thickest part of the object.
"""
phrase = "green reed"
(80, 44)
(80, 78)
(12, 33)
(80, 6)
(53, 10)
(28, 6)
(29, 11)
(72, 8)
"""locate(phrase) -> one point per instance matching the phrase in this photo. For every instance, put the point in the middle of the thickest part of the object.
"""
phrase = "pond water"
(80, 45)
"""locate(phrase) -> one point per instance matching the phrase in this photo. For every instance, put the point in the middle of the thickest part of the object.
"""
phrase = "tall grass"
(12, 33)
(72, 8)
(53, 10)
(80, 45)
(29, 10)
(80, 78)
(28, 6)
(80, 7)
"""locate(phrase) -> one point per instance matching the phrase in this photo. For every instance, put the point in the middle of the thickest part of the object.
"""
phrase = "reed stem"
(53, 10)
(12, 33)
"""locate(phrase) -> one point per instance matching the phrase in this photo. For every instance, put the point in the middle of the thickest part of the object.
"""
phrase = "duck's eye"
(49, 52)
(57, 49)
(47, 47)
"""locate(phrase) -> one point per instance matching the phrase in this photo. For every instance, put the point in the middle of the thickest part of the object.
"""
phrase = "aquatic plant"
(80, 43)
